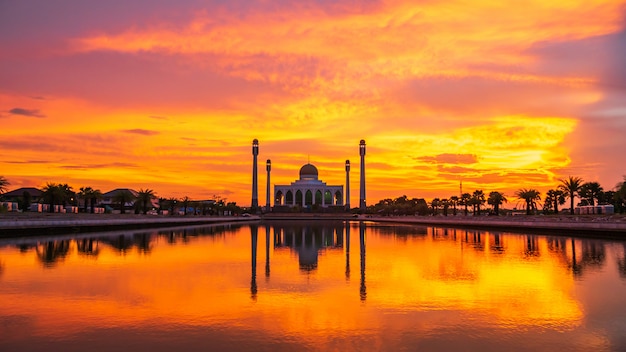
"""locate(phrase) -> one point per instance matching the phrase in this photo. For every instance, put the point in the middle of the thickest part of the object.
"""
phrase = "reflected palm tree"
(621, 263)
(532, 247)
(497, 246)
(50, 253)
(593, 254)
(143, 242)
(88, 246)
(122, 243)
(577, 269)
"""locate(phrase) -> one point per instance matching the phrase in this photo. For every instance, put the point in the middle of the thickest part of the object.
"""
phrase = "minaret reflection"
(347, 250)
(363, 289)
(254, 232)
(267, 251)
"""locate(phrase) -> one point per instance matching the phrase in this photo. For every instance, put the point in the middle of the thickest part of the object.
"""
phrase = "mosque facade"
(308, 191)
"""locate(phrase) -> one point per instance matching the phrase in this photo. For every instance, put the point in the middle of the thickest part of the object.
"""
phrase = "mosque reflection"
(307, 241)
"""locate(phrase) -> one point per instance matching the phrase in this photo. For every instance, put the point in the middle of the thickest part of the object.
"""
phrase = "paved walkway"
(608, 225)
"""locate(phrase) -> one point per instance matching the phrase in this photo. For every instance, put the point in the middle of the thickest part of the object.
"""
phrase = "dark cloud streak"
(27, 112)
(141, 131)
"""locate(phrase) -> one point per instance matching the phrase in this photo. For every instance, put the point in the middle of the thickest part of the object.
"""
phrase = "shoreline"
(38, 224)
(12, 225)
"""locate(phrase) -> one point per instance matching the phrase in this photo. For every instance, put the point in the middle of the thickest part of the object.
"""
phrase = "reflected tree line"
(50, 253)
(579, 255)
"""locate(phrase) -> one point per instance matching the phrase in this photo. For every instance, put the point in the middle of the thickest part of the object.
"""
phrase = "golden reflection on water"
(355, 286)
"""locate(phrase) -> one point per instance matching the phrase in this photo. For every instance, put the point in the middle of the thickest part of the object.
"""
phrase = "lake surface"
(312, 286)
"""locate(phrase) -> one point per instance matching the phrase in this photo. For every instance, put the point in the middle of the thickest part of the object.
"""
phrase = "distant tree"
(477, 200)
(3, 184)
(54, 194)
(94, 197)
(172, 205)
(144, 197)
(590, 192)
(531, 197)
(454, 201)
(186, 200)
(435, 205)
(121, 198)
(620, 196)
(571, 187)
(162, 204)
(445, 204)
(25, 201)
(554, 198)
(85, 193)
(496, 199)
(465, 201)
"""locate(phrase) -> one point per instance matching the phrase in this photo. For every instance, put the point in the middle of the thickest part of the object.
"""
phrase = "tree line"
(589, 193)
(64, 195)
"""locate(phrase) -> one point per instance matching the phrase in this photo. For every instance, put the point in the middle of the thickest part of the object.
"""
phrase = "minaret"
(362, 195)
(348, 185)
(268, 167)
(255, 186)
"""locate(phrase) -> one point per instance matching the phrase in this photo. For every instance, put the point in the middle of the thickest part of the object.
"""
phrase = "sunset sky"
(169, 95)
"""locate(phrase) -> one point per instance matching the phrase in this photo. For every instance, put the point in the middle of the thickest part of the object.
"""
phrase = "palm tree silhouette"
(591, 191)
(571, 186)
(495, 199)
(3, 184)
(144, 197)
(122, 197)
(530, 196)
(554, 197)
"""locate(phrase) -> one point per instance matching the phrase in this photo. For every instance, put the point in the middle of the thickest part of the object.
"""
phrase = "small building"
(308, 191)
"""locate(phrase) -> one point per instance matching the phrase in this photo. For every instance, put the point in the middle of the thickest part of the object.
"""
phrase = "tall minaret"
(268, 167)
(255, 183)
(362, 195)
(348, 185)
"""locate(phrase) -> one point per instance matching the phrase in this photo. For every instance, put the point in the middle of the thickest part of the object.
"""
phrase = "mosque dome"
(308, 172)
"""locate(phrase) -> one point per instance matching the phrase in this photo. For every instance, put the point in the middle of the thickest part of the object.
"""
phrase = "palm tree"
(162, 204)
(454, 200)
(571, 186)
(495, 199)
(3, 184)
(55, 193)
(144, 197)
(122, 197)
(530, 196)
(554, 197)
(465, 200)
(435, 204)
(85, 194)
(185, 202)
(445, 203)
(94, 197)
(478, 199)
(591, 191)
(620, 195)
(172, 204)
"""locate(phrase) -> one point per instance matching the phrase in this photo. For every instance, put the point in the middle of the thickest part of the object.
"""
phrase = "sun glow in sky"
(169, 95)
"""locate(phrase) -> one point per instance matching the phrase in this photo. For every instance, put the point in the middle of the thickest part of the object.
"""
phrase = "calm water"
(304, 286)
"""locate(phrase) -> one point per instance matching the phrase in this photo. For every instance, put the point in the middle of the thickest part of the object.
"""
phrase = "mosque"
(308, 191)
